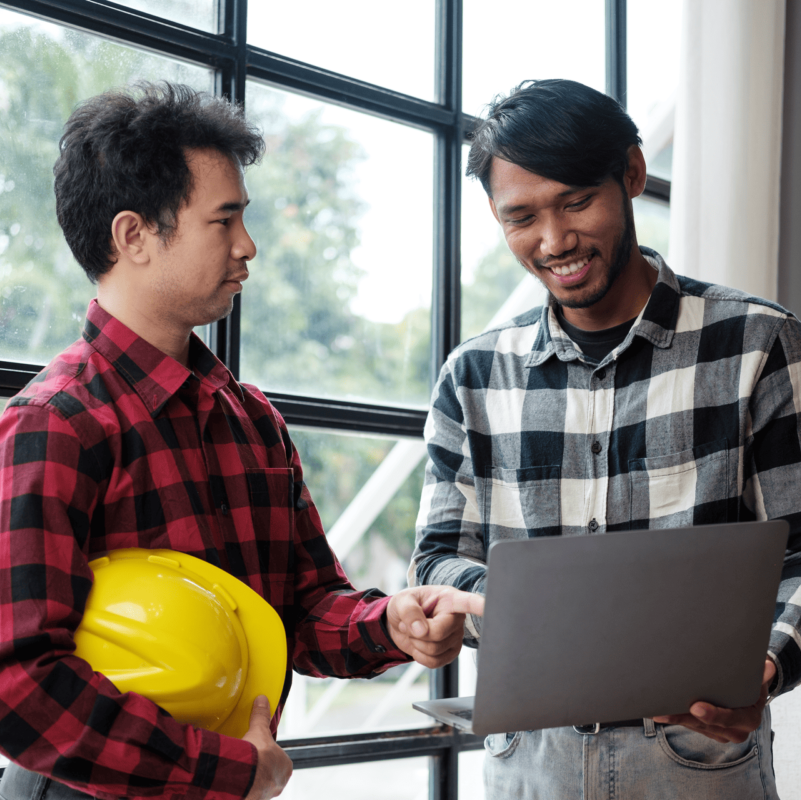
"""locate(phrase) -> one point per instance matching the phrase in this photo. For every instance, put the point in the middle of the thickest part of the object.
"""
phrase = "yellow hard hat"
(185, 634)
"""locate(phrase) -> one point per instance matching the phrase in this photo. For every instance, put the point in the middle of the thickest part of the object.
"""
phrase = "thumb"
(411, 616)
(260, 715)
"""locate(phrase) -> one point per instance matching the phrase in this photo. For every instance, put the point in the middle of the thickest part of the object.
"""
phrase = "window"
(375, 259)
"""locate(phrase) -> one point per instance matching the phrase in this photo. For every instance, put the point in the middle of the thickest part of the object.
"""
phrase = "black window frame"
(234, 61)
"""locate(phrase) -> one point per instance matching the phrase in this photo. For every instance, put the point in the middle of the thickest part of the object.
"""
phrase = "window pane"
(653, 77)
(495, 287)
(391, 45)
(47, 70)
(338, 300)
(367, 490)
(397, 779)
(471, 775)
(511, 41)
(202, 14)
(652, 223)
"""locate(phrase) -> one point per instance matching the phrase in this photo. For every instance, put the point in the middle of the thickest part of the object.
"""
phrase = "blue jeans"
(19, 784)
(652, 762)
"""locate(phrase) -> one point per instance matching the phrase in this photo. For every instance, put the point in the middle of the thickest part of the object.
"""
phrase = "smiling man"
(634, 398)
(137, 436)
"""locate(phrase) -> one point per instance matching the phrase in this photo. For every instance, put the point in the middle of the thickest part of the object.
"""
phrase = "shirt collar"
(152, 374)
(656, 322)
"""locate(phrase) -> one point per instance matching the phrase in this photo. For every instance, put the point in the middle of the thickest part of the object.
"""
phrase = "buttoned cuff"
(375, 638)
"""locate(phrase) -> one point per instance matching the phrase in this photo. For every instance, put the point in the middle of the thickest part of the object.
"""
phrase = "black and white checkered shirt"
(692, 419)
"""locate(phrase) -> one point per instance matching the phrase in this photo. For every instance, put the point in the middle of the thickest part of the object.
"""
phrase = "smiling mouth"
(572, 268)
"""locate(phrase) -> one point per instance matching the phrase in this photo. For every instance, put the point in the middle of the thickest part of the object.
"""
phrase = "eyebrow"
(232, 206)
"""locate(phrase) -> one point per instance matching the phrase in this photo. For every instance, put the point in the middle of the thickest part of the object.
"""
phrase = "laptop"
(585, 629)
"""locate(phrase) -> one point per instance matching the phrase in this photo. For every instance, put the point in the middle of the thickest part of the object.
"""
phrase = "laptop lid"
(586, 629)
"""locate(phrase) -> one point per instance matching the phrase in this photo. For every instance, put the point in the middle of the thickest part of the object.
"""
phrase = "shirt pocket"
(691, 487)
(521, 503)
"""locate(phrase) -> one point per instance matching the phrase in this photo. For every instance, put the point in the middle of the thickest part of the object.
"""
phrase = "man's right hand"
(274, 766)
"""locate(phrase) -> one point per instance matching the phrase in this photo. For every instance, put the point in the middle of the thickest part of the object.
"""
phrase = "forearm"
(345, 635)
(785, 640)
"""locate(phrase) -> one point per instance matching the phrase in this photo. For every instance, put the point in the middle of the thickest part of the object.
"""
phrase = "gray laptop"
(586, 629)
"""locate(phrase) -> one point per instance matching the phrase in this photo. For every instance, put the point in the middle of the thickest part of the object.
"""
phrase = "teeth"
(571, 269)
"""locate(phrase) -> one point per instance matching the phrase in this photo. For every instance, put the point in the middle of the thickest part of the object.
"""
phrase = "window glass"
(367, 490)
(202, 14)
(396, 779)
(652, 77)
(339, 295)
(652, 223)
(46, 71)
(495, 287)
(471, 775)
(510, 41)
(388, 44)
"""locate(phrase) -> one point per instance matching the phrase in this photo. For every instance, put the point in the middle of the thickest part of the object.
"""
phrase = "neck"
(115, 298)
(625, 299)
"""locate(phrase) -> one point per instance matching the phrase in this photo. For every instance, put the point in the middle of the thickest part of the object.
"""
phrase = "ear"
(131, 234)
(493, 209)
(635, 175)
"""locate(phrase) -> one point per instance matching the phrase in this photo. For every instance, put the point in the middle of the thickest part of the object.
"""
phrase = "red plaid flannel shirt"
(117, 445)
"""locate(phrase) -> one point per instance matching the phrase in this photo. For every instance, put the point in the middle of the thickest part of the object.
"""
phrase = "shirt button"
(379, 648)
(601, 374)
(593, 526)
(596, 447)
(224, 509)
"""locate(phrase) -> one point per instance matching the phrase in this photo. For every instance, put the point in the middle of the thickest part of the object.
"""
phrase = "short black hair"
(127, 150)
(559, 129)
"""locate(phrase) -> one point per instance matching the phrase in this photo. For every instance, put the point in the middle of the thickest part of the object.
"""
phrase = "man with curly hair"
(138, 436)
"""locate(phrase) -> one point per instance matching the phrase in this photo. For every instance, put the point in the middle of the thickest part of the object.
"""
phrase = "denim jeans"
(652, 762)
(19, 784)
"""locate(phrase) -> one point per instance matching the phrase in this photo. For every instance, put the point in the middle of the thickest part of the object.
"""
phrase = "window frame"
(234, 61)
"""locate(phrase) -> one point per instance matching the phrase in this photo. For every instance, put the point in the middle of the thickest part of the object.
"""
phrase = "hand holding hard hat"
(185, 634)
(427, 622)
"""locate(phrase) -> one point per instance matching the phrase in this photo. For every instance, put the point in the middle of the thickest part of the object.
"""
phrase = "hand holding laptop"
(725, 724)
(427, 622)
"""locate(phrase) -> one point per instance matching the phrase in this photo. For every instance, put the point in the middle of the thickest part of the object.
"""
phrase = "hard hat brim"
(266, 642)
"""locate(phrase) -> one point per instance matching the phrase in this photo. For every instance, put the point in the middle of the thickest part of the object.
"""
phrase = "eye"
(579, 204)
(224, 221)
(521, 220)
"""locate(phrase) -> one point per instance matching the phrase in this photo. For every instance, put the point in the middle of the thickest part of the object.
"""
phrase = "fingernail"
(418, 629)
(700, 712)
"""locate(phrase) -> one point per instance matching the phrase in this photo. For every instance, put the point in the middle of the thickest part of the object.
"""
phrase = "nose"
(556, 237)
(244, 248)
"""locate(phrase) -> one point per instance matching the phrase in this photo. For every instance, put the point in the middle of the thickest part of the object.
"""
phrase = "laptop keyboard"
(467, 713)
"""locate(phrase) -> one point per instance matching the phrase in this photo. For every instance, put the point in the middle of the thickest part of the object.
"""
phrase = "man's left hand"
(427, 622)
(725, 724)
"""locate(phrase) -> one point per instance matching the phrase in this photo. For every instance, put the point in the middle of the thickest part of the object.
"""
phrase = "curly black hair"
(127, 150)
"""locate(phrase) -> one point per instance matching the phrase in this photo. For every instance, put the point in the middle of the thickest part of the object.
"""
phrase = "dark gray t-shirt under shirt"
(595, 344)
